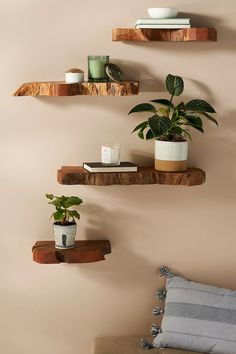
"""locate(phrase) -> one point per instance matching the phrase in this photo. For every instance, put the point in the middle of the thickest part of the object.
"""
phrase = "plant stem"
(64, 220)
(171, 99)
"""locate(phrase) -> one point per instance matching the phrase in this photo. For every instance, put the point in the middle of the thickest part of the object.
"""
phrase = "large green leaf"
(143, 107)
(149, 135)
(60, 201)
(193, 120)
(163, 102)
(159, 125)
(177, 130)
(141, 133)
(187, 134)
(74, 214)
(56, 202)
(200, 129)
(71, 201)
(58, 215)
(209, 117)
(140, 126)
(199, 106)
(181, 106)
(174, 85)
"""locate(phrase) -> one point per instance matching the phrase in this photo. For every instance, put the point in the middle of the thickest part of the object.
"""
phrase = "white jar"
(74, 75)
(110, 154)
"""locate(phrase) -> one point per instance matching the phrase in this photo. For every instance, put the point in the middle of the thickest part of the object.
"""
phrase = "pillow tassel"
(161, 294)
(145, 344)
(155, 330)
(158, 311)
(164, 271)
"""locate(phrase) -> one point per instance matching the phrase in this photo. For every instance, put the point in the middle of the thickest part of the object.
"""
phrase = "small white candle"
(115, 154)
(74, 75)
(111, 154)
(106, 154)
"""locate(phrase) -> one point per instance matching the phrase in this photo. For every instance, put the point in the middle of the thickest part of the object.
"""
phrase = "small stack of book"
(99, 167)
(163, 23)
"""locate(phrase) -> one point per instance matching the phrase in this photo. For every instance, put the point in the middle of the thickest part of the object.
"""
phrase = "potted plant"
(64, 220)
(169, 124)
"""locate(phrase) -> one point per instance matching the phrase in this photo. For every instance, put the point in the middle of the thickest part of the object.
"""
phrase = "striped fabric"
(198, 317)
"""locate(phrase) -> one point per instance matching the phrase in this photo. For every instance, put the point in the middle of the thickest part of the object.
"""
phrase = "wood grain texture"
(166, 35)
(84, 252)
(60, 88)
(146, 175)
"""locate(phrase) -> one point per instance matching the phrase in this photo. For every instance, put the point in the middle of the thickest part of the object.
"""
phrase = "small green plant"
(63, 214)
(170, 122)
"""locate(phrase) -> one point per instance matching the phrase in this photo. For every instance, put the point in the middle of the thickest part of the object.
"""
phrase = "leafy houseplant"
(64, 219)
(169, 124)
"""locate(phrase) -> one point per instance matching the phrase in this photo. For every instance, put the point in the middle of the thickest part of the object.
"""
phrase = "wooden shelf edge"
(72, 175)
(61, 88)
(201, 34)
(85, 251)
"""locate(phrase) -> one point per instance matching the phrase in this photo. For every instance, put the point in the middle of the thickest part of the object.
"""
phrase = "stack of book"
(99, 167)
(163, 23)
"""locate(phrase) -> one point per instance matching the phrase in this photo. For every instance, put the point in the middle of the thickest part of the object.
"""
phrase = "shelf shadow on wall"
(221, 144)
(150, 83)
(122, 260)
(142, 159)
(141, 72)
(226, 35)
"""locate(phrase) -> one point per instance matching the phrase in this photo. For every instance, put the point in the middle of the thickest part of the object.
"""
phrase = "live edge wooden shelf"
(61, 88)
(164, 35)
(84, 252)
(72, 175)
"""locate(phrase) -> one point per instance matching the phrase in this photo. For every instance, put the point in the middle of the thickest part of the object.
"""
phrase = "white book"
(99, 167)
(163, 21)
(163, 26)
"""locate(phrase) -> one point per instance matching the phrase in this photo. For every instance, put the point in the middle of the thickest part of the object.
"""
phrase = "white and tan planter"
(171, 156)
(64, 236)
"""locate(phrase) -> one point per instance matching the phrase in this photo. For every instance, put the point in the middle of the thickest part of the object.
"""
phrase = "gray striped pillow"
(198, 317)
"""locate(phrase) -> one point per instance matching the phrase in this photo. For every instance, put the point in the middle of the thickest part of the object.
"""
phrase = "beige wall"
(60, 308)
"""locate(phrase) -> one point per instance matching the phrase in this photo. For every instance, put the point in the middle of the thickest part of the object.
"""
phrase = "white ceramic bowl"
(162, 12)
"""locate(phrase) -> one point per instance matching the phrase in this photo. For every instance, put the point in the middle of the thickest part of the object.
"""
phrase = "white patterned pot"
(64, 235)
(171, 156)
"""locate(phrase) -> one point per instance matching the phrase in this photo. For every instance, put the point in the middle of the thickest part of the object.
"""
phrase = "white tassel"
(163, 271)
(158, 311)
(161, 294)
(145, 344)
(155, 330)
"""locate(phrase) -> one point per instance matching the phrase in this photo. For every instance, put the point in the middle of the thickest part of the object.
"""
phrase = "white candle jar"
(74, 76)
(110, 154)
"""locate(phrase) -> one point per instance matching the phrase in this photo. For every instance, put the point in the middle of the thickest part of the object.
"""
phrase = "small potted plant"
(169, 124)
(64, 220)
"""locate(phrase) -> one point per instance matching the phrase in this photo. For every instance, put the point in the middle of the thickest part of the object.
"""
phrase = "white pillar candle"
(106, 154)
(115, 154)
(111, 154)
